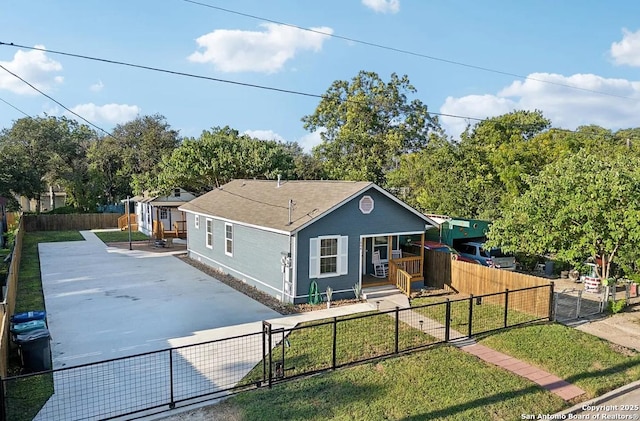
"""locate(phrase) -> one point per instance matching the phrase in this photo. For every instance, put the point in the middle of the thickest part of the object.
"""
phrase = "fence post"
(470, 315)
(3, 408)
(551, 301)
(397, 329)
(264, 350)
(579, 303)
(270, 355)
(506, 306)
(172, 403)
(447, 320)
(334, 350)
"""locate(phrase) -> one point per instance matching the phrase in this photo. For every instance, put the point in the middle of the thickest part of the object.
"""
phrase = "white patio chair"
(380, 268)
(396, 254)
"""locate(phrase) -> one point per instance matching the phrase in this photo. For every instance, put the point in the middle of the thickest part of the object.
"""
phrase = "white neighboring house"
(150, 208)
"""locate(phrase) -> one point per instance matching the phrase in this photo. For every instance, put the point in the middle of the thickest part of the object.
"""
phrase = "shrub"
(617, 306)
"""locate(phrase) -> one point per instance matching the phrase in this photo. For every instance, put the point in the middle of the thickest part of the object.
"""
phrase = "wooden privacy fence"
(80, 221)
(8, 305)
(468, 278)
(471, 279)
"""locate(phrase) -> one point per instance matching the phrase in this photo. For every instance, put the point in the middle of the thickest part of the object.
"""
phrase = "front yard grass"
(593, 364)
(440, 383)
(26, 397)
(120, 236)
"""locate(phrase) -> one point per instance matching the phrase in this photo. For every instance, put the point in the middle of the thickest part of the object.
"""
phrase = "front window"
(228, 237)
(196, 222)
(209, 238)
(328, 255)
(163, 214)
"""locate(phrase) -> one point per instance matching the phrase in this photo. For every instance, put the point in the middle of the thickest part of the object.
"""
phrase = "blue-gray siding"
(387, 217)
(256, 253)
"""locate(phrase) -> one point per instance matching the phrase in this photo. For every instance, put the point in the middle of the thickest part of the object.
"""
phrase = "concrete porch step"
(385, 297)
(377, 292)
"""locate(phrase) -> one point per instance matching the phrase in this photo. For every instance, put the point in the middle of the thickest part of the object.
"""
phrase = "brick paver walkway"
(554, 384)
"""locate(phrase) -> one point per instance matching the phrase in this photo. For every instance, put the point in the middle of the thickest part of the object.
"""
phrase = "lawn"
(120, 236)
(27, 396)
(440, 383)
(591, 363)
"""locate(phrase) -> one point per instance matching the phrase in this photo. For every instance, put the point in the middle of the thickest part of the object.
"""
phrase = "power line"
(57, 102)
(408, 52)
(14, 107)
(191, 75)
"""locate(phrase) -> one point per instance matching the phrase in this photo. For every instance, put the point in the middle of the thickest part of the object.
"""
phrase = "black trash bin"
(34, 349)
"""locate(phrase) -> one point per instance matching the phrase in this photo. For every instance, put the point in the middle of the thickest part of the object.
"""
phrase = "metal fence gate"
(572, 304)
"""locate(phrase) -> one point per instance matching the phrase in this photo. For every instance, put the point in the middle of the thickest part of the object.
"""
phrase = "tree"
(220, 155)
(141, 144)
(367, 124)
(583, 205)
(43, 151)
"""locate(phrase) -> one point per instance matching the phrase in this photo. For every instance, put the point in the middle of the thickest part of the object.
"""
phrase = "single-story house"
(153, 211)
(290, 238)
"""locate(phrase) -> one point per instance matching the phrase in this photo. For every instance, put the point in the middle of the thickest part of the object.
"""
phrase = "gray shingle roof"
(263, 203)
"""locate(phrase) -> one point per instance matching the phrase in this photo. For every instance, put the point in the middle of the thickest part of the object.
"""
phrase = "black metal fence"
(159, 381)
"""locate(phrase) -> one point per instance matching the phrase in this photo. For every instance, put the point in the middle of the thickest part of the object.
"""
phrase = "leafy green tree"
(141, 144)
(220, 155)
(43, 151)
(367, 124)
(583, 205)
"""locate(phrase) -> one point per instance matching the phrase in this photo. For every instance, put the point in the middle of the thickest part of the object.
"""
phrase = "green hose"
(314, 297)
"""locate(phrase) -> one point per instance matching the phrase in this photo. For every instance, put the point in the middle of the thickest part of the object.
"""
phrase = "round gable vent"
(366, 204)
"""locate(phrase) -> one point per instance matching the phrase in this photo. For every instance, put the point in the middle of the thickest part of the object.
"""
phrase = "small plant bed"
(593, 364)
(262, 297)
(120, 236)
(440, 383)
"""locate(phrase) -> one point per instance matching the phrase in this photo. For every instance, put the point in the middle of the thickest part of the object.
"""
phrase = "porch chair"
(396, 254)
(380, 269)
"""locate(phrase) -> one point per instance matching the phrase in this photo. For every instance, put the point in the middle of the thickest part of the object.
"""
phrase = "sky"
(577, 61)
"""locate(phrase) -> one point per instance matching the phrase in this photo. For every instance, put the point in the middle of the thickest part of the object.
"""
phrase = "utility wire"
(57, 102)
(408, 52)
(191, 75)
(14, 107)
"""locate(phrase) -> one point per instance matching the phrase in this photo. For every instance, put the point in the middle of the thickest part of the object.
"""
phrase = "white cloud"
(383, 6)
(308, 141)
(627, 51)
(108, 113)
(565, 107)
(253, 51)
(97, 87)
(33, 66)
(264, 135)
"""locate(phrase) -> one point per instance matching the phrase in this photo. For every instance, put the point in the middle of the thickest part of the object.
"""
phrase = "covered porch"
(402, 268)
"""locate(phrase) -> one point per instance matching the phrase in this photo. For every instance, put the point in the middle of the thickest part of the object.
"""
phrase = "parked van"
(493, 258)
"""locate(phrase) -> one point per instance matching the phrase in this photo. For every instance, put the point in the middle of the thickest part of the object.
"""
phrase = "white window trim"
(226, 239)
(196, 222)
(206, 237)
(342, 265)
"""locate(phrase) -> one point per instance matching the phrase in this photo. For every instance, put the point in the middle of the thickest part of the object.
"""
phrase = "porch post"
(389, 248)
(422, 265)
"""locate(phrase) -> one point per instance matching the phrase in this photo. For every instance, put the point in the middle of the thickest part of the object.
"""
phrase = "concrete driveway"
(105, 303)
